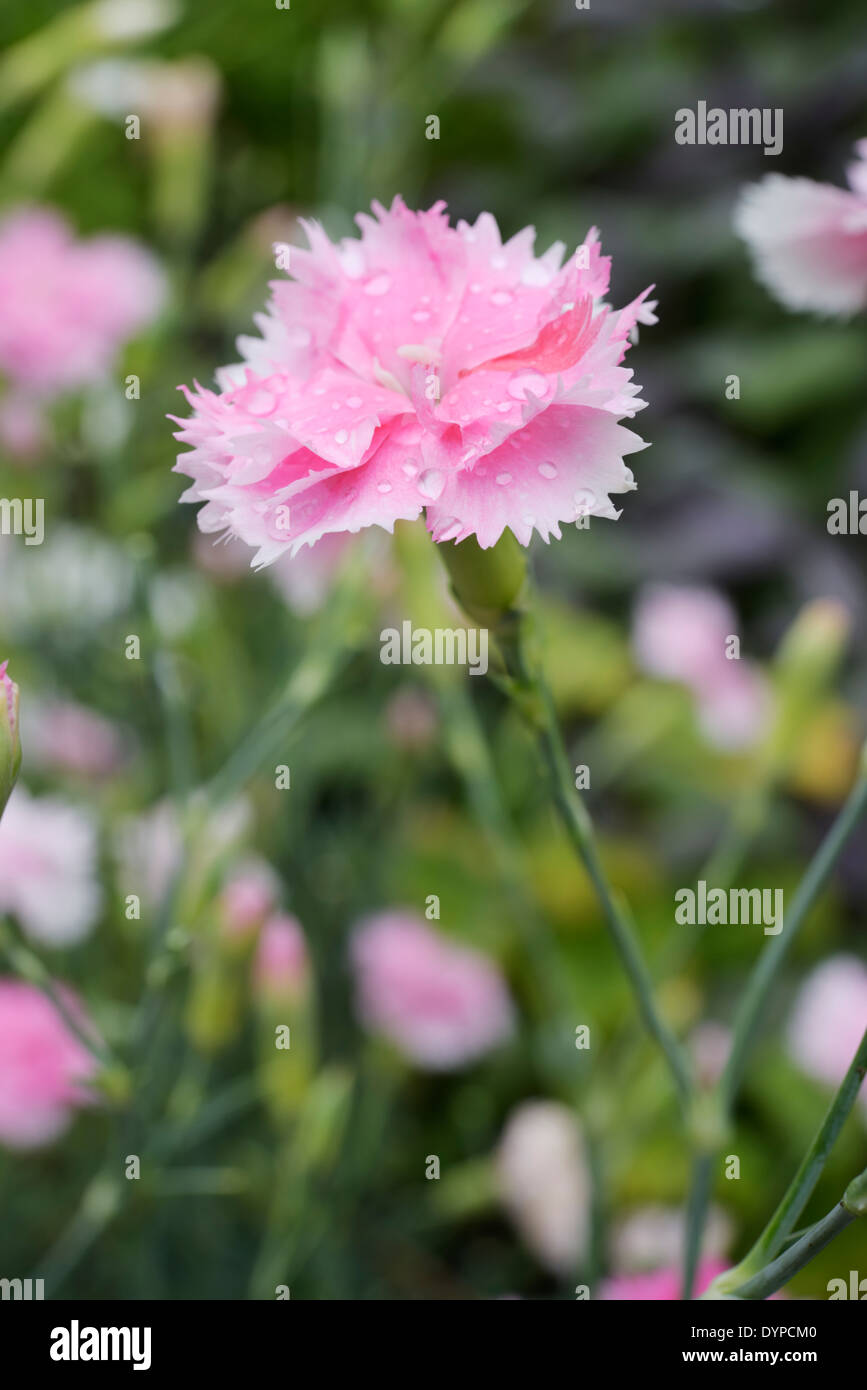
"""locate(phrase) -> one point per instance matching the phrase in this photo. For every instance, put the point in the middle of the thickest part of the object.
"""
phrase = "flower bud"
(10, 744)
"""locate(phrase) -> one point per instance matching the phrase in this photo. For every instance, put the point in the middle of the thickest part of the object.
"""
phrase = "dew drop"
(341, 436)
(475, 288)
(499, 262)
(383, 487)
(409, 468)
(547, 470)
(503, 407)
(353, 402)
(420, 316)
(431, 483)
(504, 479)
(500, 297)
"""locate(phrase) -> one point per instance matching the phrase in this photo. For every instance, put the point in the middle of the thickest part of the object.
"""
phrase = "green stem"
(699, 1197)
(781, 1225)
(852, 1205)
(765, 971)
(488, 584)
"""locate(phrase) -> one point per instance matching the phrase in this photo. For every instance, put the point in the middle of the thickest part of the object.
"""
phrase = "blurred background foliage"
(564, 119)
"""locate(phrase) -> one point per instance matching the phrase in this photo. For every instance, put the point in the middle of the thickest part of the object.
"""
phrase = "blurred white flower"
(48, 867)
(544, 1182)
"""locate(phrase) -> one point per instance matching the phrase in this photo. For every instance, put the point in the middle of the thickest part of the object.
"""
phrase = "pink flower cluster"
(809, 240)
(680, 634)
(443, 1005)
(68, 305)
(44, 1069)
(420, 367)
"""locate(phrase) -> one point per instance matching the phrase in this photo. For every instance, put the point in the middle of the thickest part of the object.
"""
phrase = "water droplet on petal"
(383, 487)
(410, 469)
(503, 407)
(547, 470)
(353, 402)
(523, 382)
(380, 284)
(499, 262)
(341, 436)
(431, 483)
(420, 316)
(475, 289)
(504, 479)
(500, 297)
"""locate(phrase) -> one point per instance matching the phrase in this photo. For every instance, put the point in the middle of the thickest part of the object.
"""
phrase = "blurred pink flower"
(411, 718)
(829, 1018)
(442, 1004)
(710, 1044)
(282, 964)
(809, 240)
(68, 305)
(248, 896)
(544, 1182)
(48, 867)
(67, 737)
(679, 634)
(43, 1066)
(24, 431)
(662, 1284)
(422, 366)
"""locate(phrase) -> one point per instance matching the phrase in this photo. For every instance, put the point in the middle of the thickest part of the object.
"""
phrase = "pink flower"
(248, 897)
(282, 966)
(809, 240)
(68, 306)
(829, 1018)
(423, 366)
(662, 1284)
(43, 1066)
(71, 738)
(443, 1005)
(48, 868)
(544, 1182)
(681, 634)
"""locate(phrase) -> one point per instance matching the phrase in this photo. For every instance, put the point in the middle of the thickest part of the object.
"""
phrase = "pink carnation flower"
(809, 240)
(443, 1005)
(829, 1018)
(60, 734)
(247, 897)
(43, 1067)
(68, 306)
(680, 634)
(48, 868)
(662, 1284)
(422, 366)
(282, 965)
